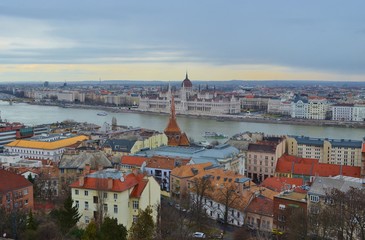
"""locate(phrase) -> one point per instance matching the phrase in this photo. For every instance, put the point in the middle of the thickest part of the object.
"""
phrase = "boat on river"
(214, 135)
(102, 113)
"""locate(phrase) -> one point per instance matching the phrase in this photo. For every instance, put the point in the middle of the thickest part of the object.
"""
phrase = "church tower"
(173, 132)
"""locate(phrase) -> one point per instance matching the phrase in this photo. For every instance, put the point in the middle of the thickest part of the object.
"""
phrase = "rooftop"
(12, 181)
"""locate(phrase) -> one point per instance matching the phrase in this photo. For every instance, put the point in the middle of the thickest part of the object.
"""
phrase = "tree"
(110, 230)
(30, 178)
(31, 224)
(144, 227)
(91, 232)
(200, 188)
(68, 216)
(228, 197)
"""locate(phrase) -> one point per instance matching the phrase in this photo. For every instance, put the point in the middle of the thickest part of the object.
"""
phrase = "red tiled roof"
(363, 147)
(133, 160)
(130, 181)
(262, 206)
(166, 162)
(10, 181)
(137, 191)
(312, 167)
(280, 184)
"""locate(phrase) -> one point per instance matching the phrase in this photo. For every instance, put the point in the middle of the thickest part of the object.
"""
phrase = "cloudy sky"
(72, 40)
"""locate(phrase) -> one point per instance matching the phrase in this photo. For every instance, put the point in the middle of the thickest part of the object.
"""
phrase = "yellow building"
(110, 193)
(332, 151)
(126, 145)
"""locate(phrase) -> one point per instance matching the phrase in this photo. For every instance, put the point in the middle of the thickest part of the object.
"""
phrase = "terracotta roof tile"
(10, 181)
(280, 184)
(312, 167)
(166, 162)
(187, 170)
(262, 206)
(129, 182)
(133, 160)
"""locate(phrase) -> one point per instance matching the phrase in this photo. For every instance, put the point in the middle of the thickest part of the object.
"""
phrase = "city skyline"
(160, 40)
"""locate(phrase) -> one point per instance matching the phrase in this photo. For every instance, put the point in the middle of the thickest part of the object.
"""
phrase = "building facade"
(116, 195)
(16, 192)
(333, 151)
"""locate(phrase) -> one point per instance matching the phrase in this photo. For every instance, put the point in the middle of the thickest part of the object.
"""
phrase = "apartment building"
(262, 157)
(16, 192)
(111, 193)
(333, 151)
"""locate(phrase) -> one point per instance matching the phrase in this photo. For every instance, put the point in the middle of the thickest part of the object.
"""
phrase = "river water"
(194, 127)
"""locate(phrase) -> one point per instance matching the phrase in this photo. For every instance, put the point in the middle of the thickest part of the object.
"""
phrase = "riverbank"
(219, 118)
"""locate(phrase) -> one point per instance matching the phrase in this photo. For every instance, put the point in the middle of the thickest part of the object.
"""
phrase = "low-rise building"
(284, 204)
(180, 175)
(259, 214)
(307, 168)
(16, 192)
(112, 193)
(50, 147)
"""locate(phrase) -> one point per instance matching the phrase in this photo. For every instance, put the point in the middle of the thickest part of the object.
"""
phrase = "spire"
(186, 75)
(172, 113)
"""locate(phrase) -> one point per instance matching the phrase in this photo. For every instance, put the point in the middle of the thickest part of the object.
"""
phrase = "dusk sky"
(159, 40)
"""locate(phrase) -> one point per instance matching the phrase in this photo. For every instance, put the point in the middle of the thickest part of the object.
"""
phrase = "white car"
(199, 235)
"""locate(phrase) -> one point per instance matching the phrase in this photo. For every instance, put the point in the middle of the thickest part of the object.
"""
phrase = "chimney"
(135, 171)
(110, 183)
(81, 181)
(87, 169)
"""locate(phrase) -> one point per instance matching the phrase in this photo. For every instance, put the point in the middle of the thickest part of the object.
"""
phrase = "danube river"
(194, 127)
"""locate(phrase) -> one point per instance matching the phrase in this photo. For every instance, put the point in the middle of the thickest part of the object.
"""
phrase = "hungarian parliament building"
(191, 101)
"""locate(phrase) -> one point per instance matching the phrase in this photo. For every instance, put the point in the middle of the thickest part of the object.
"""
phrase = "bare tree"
(228, 196)
(200, 189)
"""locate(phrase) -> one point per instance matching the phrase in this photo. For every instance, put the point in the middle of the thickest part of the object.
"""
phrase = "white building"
(192, 102)
(49, 147)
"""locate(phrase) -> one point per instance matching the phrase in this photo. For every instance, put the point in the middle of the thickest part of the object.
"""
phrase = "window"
(96, 199)
(76, 192)
(26, 202)
(77, 204)
(86, 193)
(115, 209)
(105, 207)
(115, 196)
(281, 206)
(87, 220)
(105, 195)
(135, 204)
(135, 218)
(25, 191)
(86, 205)
(314, 198)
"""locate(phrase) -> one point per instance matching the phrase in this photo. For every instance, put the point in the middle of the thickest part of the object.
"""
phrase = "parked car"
(199, 235)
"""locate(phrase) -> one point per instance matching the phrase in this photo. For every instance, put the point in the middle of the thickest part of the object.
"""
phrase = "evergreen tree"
(144, 227)
(68, 216)
(30, 178)
(31, 224)
(110, 230)
(91, 232)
